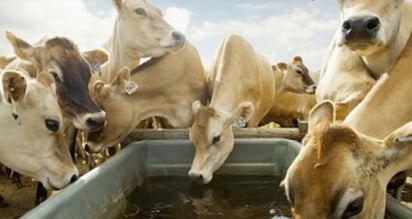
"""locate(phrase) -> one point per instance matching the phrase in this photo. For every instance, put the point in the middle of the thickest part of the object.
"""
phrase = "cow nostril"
(372, 24)
(87, 148)
(73, 178)
(197, 178)
(346, 26)
(95, 123)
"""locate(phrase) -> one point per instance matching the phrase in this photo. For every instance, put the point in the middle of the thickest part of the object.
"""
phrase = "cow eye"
(55, 75)
(216, 139)
(353, 208)
(140, 11)
(299, 71)
(52, 125)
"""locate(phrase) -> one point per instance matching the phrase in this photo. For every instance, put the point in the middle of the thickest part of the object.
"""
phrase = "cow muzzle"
(359, 32)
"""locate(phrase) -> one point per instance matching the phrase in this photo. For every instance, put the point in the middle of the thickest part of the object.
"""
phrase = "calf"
(342, 173)
(366, 45)
(242, 88)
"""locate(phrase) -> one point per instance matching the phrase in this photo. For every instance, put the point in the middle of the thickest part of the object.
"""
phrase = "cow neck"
(121, 55)
(279, 88)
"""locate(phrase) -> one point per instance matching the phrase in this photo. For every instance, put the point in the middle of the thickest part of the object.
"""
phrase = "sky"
(278, 29)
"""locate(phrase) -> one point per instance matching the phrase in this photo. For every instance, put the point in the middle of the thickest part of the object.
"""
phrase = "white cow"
(32, 142)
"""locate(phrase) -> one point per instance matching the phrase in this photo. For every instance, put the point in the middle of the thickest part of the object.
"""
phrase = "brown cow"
(60, 57)
(163, 87)
(241, 83)
(341, 173)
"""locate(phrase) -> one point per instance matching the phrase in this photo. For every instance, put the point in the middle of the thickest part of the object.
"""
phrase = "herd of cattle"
(357, 106)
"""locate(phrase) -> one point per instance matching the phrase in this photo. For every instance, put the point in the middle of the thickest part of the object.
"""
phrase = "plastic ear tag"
(130, 87)
(16, 118)
(241, 124)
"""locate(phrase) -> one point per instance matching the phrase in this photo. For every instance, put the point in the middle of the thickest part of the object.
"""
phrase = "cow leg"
(41, 194)
(3, 203)
(15, 177)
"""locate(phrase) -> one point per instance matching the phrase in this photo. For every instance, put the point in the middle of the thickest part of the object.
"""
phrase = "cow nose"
(178, 37)
(95, 123)
(361, 27)
(197, 178)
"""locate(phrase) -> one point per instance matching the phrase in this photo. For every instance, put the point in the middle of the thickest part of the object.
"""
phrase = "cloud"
(179, 18)
(31, 20)
(261, 6)
(278, 37)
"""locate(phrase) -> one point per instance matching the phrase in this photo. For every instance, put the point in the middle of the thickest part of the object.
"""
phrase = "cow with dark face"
(71, 70)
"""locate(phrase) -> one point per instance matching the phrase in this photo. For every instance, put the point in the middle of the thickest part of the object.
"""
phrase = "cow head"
(71, 71)
(296, 76)
(114, 99)
(141, 26)
(367, 25)
(212, 136)
(340, 173)
(33, 142)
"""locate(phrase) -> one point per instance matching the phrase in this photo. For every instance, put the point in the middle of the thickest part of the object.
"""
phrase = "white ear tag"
(130, 87)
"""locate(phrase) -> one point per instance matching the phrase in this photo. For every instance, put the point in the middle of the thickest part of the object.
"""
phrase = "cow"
(241, 85)
(32, 141)
(71, 70)
(387, 105)
(139, 31)
(342, 173)
(164, 87)
(368, 42)
(294, 94)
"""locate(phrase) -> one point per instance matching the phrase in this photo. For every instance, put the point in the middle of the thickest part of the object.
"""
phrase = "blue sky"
(278, 29)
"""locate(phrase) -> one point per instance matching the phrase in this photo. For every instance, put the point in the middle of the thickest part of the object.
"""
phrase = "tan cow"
(341, 173)
(139, 31)
(365, 46)
(388, 105)
(60, 57)
(294, 95)
(242, 88)
(163, 87)
(32, 141)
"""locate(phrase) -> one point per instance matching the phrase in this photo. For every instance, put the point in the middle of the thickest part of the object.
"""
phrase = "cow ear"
(298, 59)
(243, 112)
(118, 4)
(282, 66)
(196, 106)
(96, 56)
(4, 61)
(123, 83)
(397, 149)
(97, 88)
(14, 86)
(323, 112)
(22, 49)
